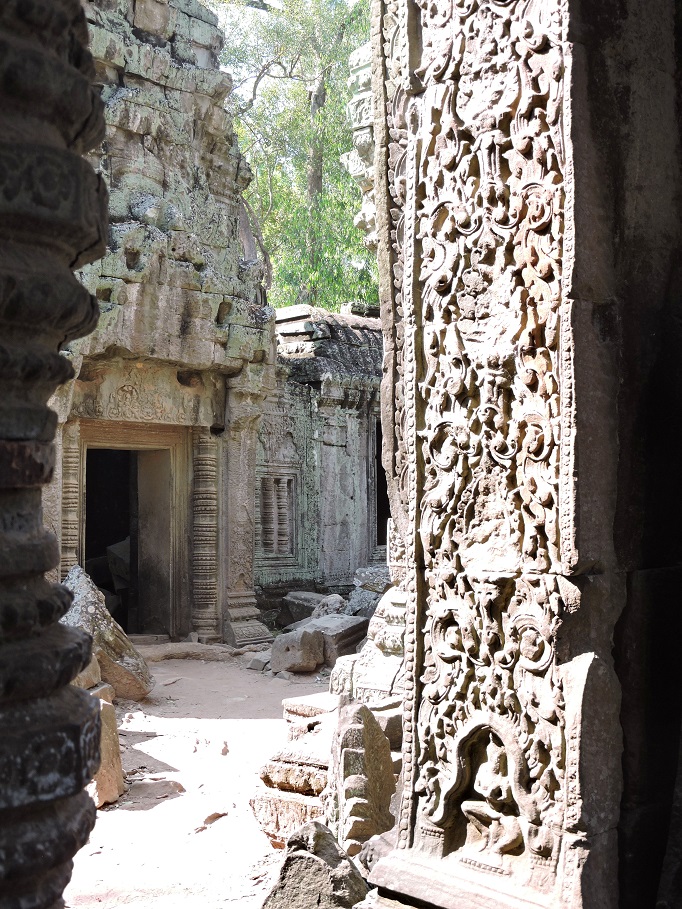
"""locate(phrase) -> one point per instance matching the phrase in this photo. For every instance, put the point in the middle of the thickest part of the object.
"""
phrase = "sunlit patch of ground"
(184, 835)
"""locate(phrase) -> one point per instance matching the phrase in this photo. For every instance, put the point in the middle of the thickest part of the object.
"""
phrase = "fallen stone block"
(331, 605)
(316, 872)
(299, 604)
(309, 706)
(285, 675)
(120, 663)
(216, 653)
(104, 691)
(363, 602)
(108, 784)
(280, 813)
(302, 650)
(289, 777)
(341, 634)
(90, 676)
(296, 625)
(376, 578)
(260, 661)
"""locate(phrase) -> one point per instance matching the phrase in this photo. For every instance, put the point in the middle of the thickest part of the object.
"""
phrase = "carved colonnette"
(52, 218)
(72, 483)
(240, 616)
(205, 614)
(477, 246)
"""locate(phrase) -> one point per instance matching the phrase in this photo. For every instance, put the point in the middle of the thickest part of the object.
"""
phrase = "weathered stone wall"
(184, 352)
(52, 218)
(318, 434)
(172, 286)
(527, 213)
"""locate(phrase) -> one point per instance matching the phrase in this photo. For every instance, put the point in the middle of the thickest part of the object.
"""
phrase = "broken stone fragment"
(109, 782)
(331, 605)
(341, 633)
(120, 663)
(260, 661)
(279, 812)
(361, 779)
(90, 676)
(363, 602)
(316, 872)
(298, 651)
(298, 605)
(376, 578)
(293, 777)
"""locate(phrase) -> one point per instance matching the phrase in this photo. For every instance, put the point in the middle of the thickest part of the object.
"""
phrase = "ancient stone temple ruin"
(527, 188)
(154, 488)
(321, 501)
(527, 218)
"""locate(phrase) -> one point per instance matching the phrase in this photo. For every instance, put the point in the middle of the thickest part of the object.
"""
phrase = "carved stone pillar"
(70, 499)
(241, 618)
(52, 219)
(206, 619)
(509, 241)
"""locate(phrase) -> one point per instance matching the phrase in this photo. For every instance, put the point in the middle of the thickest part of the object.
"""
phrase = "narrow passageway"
(184, 834)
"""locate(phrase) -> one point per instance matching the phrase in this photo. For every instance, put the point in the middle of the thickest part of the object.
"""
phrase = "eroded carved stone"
(361, 783)
(52, 218)
(473, 234)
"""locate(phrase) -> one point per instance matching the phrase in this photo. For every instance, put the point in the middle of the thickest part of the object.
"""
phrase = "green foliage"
(290, 68)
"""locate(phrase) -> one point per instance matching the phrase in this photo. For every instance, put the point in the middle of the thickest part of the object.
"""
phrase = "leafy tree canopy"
(289, 62)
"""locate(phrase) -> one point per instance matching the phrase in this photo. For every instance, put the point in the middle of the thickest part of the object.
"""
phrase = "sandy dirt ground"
(184, 834)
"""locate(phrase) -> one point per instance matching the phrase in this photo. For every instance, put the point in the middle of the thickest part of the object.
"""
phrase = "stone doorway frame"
(79, 436)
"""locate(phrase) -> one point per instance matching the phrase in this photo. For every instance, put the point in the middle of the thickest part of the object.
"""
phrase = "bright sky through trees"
(289, 63)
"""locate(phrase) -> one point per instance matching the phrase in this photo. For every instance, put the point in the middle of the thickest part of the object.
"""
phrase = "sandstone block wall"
(184, 351)
(317, 459)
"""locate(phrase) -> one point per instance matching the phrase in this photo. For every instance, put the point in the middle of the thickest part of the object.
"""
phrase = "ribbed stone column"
(52, 219)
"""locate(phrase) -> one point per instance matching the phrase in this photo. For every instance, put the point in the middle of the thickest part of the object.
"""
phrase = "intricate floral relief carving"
(492, 706)
(490, 225)
(480, 375)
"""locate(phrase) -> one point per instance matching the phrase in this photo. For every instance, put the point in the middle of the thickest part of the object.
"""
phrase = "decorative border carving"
(205, 613)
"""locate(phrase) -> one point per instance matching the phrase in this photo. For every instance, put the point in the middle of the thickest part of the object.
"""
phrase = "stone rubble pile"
(349, 738)
(316, 872)
(319, 629)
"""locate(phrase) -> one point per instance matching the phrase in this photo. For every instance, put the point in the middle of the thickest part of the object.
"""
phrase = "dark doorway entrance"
(127, 535)
(383, 510)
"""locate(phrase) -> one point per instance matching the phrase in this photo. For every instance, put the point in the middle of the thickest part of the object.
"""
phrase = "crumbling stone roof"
(315, 343)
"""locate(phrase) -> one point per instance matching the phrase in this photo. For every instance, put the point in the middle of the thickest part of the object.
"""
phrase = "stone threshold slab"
(449, 884)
